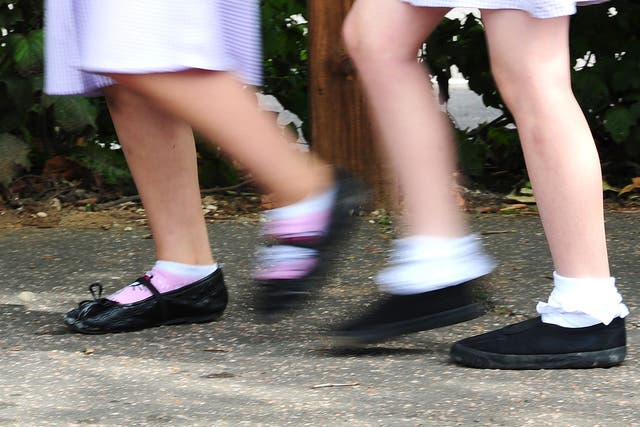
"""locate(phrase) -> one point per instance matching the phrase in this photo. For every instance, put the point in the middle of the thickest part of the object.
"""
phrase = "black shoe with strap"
(275, 297)
(202, 301)
(533, 344)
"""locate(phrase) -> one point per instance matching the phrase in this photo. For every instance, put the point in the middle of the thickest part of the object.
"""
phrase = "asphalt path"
(238, 371)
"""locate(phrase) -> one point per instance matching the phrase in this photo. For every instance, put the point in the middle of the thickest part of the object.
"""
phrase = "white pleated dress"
(536, 8)
(84, 38)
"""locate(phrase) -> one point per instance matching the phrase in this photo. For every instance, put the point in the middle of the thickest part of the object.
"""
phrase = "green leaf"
(608, 187)
(28, 53)
(618, 122)
(591, 90)
(19, 94)
(521, 199)
(74, 114)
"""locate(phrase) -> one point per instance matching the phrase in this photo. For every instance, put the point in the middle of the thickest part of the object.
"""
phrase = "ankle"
(582, 302)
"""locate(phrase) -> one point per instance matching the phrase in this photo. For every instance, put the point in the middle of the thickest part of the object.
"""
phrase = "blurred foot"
(293, 267)
(397, 315)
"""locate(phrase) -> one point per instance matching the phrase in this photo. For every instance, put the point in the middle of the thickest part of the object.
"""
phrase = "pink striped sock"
(166, 277)
(304, 221)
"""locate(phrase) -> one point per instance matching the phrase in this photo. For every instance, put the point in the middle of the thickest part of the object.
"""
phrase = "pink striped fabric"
(314, 224)
(87, 37)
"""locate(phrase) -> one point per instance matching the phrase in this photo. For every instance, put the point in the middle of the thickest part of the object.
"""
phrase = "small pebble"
(26, 296)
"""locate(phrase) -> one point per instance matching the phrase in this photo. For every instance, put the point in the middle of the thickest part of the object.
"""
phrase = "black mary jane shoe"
(275, 297)
(202, 301)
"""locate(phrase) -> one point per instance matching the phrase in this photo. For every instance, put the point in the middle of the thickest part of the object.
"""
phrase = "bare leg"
(530, 62)
(218, 106)
(582, 325)
(432, 270)
(383, 38)
(160, 151)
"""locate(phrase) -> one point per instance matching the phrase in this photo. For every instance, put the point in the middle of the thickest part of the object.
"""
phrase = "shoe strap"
(307, 242)
(96, 292)
(146, 281)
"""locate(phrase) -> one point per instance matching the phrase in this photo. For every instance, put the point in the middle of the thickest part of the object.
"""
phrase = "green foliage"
(286, 73)
(20, 83)
(48, 125)
(608, 89)
(214, 169)
(489, 154)
(20, 66)
(108, 166)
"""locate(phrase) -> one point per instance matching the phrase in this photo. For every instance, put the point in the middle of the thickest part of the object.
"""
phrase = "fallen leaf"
(219, 375)
(217, 350)
(521, 199)
(327, 385)
(517, 206)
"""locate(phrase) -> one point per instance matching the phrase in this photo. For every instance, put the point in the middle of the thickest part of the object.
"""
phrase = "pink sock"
(166, 276)
(302, 221)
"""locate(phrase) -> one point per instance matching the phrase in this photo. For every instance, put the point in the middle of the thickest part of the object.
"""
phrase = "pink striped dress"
(87, 37)
(536, 8)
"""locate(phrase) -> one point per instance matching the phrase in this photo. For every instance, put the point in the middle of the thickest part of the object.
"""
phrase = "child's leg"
(562, 160)
(432, 269)
(315, 202)
(582, 325)
(160, 152)
(226, 113)
(530, 62)
(383, 38)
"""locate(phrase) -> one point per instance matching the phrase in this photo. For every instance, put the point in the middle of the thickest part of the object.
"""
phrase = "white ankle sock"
(422, 264)
(578, 303)
(194, 272)
(308, 206)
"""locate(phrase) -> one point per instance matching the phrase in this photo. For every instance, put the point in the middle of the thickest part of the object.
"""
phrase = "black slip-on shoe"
(397, 315)
(533, 344)
(202, 301)
(276, 297)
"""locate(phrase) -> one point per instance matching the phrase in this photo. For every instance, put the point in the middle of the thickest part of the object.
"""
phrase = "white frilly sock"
(423, 264)
(579, 303)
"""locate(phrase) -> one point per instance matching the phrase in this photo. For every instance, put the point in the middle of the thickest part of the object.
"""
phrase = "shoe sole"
(78, 326)
(425, 323)
(589, 359)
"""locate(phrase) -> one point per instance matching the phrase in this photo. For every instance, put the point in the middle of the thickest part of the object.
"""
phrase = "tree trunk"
(341, 131)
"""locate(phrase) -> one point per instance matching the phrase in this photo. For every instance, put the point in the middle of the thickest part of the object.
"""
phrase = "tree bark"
(341, 131)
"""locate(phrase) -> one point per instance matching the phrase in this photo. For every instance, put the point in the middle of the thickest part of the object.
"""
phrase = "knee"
(522, 84)
(358, 45)
(519, 86)
(369, 47)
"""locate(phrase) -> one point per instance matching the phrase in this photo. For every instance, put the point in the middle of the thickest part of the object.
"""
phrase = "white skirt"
(85, 38)
(536, 8)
